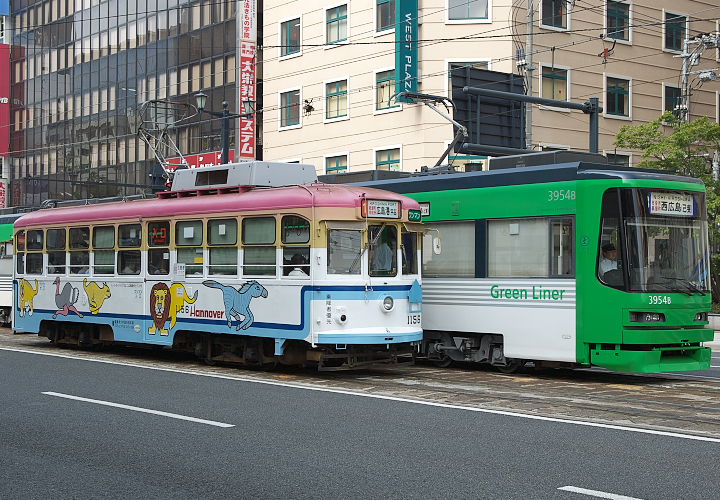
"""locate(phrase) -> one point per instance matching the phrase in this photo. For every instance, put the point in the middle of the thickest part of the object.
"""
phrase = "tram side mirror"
(437, 245)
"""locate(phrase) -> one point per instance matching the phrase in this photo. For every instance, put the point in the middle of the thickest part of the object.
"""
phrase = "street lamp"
(201, 101)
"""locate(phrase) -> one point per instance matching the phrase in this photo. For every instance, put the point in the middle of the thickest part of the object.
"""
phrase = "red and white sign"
(199, 160)
(4, 99)
(3, 193)
(248, 76)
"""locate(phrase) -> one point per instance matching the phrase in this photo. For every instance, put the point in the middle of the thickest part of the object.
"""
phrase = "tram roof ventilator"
(232, 177)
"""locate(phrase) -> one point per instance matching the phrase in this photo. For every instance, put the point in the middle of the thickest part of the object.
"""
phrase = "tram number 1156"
(413, 319)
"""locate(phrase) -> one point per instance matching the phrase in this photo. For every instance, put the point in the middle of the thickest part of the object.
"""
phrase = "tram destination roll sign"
(671, 204)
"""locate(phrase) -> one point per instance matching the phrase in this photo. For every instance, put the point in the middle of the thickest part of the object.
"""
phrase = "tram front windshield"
(654, 240)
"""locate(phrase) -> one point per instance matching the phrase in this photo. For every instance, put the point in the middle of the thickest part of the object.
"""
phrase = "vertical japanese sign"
(247, 77)
(4, 99)
(3, 193)
(406, 47)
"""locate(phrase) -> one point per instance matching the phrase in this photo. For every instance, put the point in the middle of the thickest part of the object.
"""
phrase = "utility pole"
(690, 58)
(529, 68)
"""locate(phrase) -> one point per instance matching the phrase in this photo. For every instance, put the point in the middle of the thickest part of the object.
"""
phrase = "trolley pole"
(529, 68)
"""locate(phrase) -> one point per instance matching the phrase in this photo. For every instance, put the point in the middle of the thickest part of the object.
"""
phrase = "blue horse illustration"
(237, 302)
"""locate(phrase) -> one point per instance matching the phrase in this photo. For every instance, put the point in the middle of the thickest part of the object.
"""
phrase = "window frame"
(464, 61)
(241, 264)
(346, 154)
(606, 113)
(335, 94)
(627, 154)
(686, 28)
(470, 20)
(210, 246)
(541, 12)
(388, 162)
(341, 41)
(392, 108)
(629, 27)
(568, 85)
(385, 31)
(665, 86)
(292, 126)
(297, 53)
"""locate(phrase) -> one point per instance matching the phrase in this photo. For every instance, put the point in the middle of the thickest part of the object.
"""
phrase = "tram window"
(456, 259)
(20, 263)
(35, 240)
(259, 259)
(344, 251)
(20, 241)
(104, 262)
(56, 262)
(34, 263)
(408, 247)
(296, 261)
(79, 262)
(383, 250)
(189, 233)
(6, 250)
(609, 270)
(159, 234)
(518, 248)
(56, 239)
(189, 236)
(103, 237)
(158, 261)
(562, 251)
(223, 259)
(79, 238)
(129, 236)
(129, 262)
(295, 229)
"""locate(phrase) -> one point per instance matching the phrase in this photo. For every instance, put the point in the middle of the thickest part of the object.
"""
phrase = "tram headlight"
(647, 317)
(703, 316)
(387, 304)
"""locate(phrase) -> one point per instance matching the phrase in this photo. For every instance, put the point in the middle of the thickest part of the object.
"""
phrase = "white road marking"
(597, 494)
(388, 398)
(137, 408)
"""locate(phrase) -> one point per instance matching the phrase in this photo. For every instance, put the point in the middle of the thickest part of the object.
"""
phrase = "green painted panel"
(6, 232)
(653, 361)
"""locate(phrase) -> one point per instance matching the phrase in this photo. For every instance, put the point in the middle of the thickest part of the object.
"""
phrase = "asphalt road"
(268, 440)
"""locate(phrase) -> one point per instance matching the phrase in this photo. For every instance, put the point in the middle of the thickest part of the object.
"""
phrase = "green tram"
(568, 264)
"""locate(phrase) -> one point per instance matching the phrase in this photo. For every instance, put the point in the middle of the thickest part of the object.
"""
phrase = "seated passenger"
(300, 265)
(609, 259)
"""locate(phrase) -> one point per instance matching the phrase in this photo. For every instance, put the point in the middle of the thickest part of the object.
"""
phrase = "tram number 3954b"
(660, 299)
(413, 319)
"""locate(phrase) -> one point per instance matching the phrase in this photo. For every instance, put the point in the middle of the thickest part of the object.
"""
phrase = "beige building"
(328, 72)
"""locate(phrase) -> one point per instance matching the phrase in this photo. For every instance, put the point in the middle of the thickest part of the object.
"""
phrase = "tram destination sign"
(671, 204)
(380, 209)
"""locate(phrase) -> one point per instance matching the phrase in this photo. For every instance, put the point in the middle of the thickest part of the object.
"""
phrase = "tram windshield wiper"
(689, 285)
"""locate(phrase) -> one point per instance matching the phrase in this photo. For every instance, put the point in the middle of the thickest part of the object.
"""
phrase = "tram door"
(158, 283)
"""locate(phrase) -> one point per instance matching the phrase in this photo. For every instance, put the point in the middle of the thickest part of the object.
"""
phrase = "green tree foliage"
(685, 148)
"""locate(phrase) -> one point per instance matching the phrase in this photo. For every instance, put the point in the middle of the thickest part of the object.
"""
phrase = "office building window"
(618, 20)
(387, 159)
(619, 159)
(336, 24)
(467, 9)
(336, 100)
(290, 37)
(290, 108)
(336, 164)
(672, 99)
(674, 31)
(555, 83)
(385, 15)
(385, 88)
(618, 96)
(554, 13)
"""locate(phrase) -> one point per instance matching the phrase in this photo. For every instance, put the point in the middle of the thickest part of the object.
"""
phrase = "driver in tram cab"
(609, 260)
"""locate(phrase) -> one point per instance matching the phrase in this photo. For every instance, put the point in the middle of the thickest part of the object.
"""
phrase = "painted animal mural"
(159, 308)
(65, 300)
(96, 294)
(237, 301)
(166, 303)
(26, 297)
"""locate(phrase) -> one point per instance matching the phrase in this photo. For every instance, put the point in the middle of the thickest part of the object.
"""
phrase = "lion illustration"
(178, 298)
(159, 308)
(26, 296)
(96, 294)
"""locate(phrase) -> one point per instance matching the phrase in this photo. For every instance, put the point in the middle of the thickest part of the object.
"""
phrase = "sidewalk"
(715, 344)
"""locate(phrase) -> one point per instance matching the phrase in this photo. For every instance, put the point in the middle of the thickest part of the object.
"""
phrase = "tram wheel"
(513, 365)
(443, 362)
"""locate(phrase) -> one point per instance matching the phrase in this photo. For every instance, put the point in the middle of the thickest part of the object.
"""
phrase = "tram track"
(659, 402)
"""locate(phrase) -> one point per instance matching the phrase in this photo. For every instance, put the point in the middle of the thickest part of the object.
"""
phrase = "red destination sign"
(199, 160)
